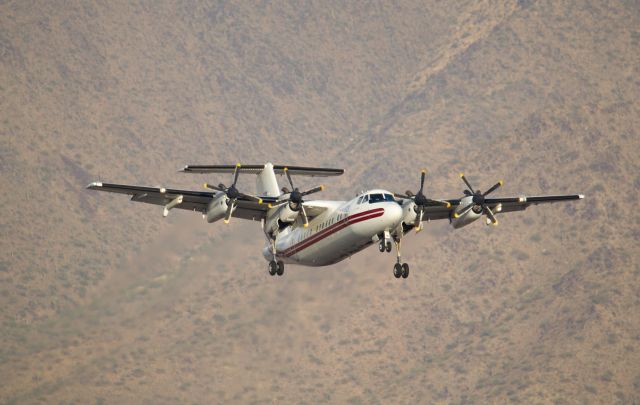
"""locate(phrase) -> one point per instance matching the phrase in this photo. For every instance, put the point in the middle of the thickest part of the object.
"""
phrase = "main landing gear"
(276, 267)
(400, 269)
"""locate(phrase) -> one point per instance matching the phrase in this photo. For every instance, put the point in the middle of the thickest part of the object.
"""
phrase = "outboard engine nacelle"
(467, 217)
(217, 208)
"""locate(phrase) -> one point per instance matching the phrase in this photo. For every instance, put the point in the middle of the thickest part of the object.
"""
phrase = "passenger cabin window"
(375, 198)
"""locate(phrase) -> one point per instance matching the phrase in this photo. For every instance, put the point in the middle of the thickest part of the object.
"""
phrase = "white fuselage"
(343, 229)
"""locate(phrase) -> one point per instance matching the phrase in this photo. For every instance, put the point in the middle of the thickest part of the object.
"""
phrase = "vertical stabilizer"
(266, 182)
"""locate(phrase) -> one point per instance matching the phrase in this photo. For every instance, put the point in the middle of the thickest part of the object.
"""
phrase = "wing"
(508, 204)
(191, 200)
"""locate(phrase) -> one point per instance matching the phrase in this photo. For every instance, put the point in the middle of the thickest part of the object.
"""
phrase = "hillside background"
(104, 301)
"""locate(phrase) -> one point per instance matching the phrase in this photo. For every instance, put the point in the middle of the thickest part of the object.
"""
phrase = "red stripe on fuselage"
(343, 223)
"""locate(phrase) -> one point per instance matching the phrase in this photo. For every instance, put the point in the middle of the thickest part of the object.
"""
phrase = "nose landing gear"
(400, 269)
(385, 242)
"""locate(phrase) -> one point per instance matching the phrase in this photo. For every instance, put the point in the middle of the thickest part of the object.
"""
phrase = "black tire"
(381, 247)
(388, 246)
(280, 270)
(273, 268)
(397, 270)
(405, 270)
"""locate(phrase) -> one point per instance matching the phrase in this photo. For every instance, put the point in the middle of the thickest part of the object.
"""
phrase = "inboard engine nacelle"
(217, 208)
(287, 215)
(409, 214)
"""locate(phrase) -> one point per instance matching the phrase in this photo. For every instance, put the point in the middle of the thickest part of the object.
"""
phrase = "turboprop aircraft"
(321, 232)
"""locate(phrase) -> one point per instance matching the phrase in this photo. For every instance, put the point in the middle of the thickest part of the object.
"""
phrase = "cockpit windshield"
(375, 198)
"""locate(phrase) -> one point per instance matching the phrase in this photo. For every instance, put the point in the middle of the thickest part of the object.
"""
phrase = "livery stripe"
(343, 223)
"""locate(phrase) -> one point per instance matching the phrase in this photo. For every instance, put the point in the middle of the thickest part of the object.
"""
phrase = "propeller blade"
(438, 202)
(418, 223)
(304, 216)
(405, 196)
(227, 215)
(313, 190)
(463, 212)
(466, 182)
(285, 190)
(409, 193)
(422, 176)
(236, 173)
(212, 187)
(489, 214)
(286, 171)
(494, 188)
(277, 203)
(251, 198)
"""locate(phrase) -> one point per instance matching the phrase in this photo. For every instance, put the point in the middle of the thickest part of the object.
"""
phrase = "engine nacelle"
(287, 215)
(409, 214)
(467, 218)
(217, 208)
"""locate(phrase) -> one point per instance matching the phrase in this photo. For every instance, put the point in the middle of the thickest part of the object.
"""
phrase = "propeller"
(421, 201)
(478, 199)
(232, 193)
(295, 197)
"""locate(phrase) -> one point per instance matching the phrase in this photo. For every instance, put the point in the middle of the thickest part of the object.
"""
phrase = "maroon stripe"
(333, 227)
(353, 219)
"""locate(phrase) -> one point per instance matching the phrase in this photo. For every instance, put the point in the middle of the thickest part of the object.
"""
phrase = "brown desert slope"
(103, 301)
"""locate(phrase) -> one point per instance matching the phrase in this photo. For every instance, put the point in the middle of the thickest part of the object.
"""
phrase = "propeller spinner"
(232, 194)
(421, 201)
(478, 199)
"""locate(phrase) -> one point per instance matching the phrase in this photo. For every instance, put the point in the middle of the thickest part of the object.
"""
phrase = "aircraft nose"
(392, 214)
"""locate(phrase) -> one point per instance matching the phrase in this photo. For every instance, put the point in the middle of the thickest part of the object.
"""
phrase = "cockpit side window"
(359, 200)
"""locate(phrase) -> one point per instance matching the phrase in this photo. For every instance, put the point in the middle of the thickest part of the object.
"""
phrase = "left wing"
(508, 204)
(183, 199)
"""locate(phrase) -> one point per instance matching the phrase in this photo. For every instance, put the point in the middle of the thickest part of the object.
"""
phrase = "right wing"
(508, 204)
(191, 200)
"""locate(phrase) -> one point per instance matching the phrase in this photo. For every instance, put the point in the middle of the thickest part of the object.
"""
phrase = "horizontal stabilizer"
(255, 169)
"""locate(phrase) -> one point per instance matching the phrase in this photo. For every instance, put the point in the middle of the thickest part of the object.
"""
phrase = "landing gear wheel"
(273, 268)
(389, 246)
(381, 246)
(405, 270)
(397, 270)
(280, 270)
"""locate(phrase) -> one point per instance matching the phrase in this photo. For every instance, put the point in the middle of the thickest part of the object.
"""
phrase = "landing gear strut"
(400, 269)
(385, 242)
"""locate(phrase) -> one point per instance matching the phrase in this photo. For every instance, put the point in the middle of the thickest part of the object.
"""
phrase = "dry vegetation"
(102, 301)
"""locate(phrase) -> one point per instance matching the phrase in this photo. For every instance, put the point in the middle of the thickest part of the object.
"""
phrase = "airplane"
(322, 232)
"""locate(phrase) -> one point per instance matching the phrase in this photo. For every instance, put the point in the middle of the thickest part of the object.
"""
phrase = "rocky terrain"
(104, 301)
